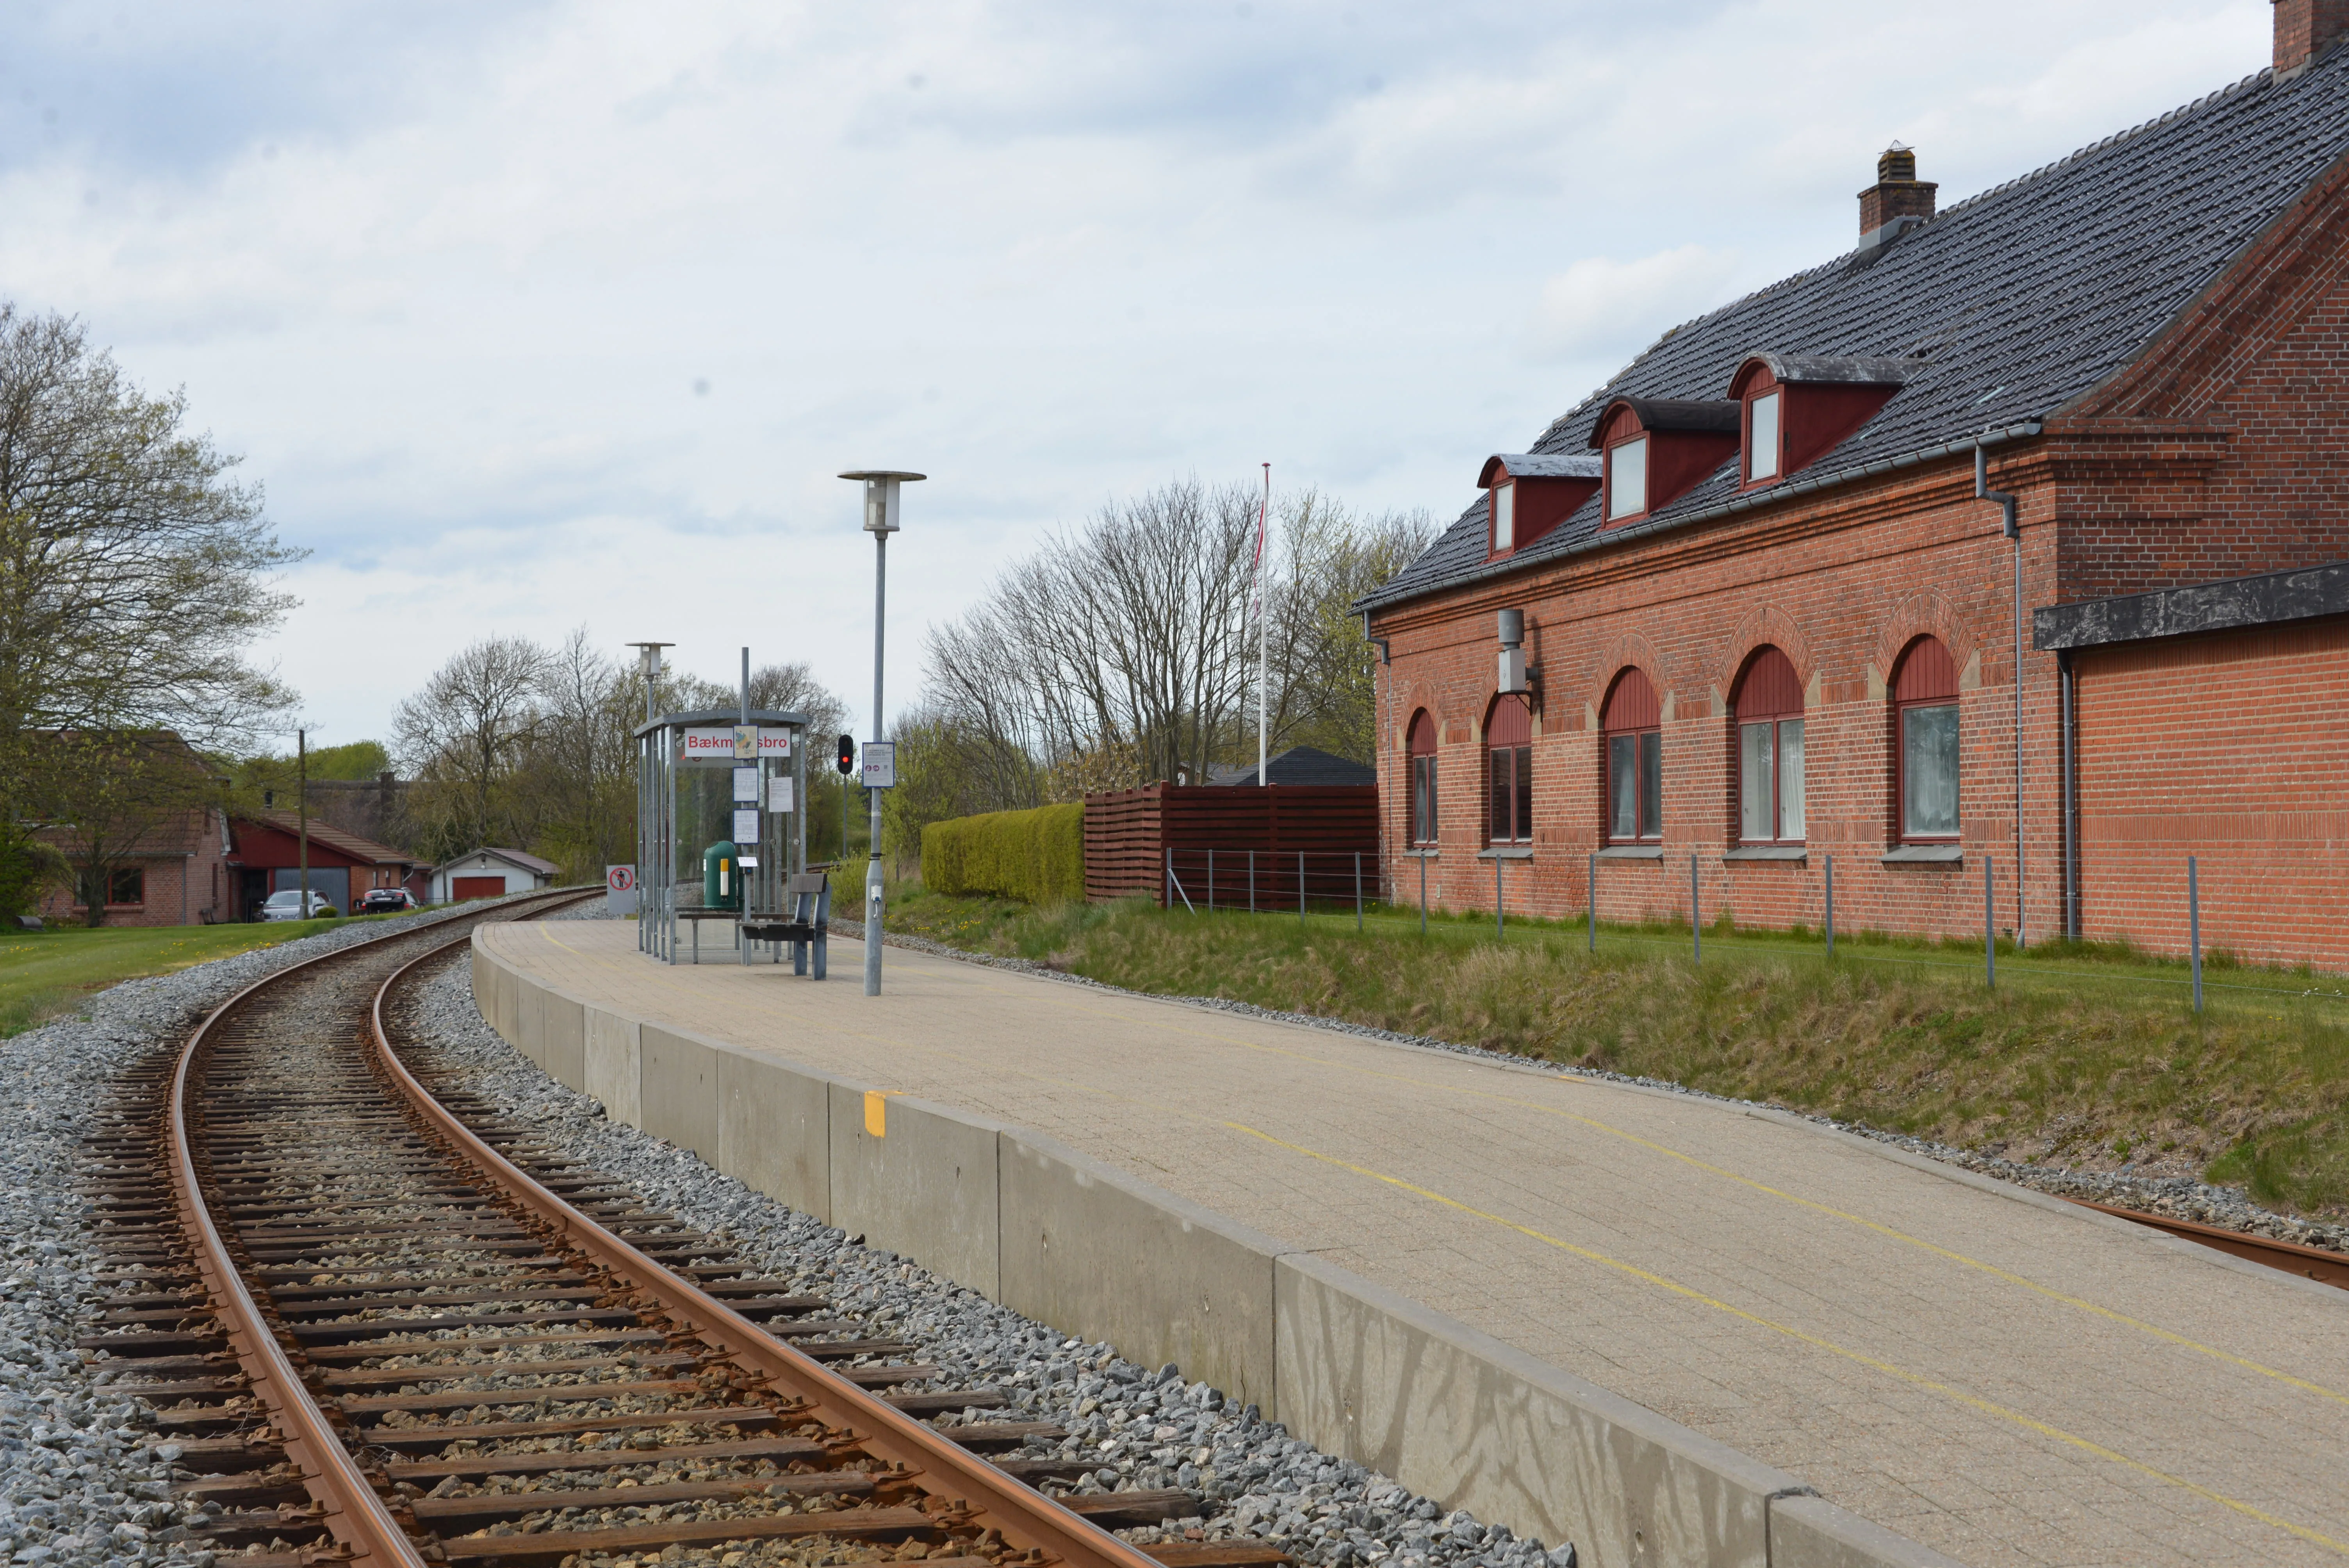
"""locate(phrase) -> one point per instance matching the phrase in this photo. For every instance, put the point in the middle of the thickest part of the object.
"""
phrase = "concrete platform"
(1992, 1373)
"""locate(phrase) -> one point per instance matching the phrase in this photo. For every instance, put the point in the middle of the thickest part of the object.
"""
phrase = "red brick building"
(1749, 605)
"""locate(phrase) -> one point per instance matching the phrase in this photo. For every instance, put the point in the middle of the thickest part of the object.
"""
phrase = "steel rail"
(1026, 1518)
(349, 1507)
(2288, 1257)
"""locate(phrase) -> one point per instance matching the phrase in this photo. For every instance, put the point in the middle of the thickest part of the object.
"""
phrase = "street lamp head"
(881, 496)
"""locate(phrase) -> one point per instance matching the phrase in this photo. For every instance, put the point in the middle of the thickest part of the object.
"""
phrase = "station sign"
(715, 744)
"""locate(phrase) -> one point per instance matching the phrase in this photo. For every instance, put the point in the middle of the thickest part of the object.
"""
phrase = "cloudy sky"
(539, 316)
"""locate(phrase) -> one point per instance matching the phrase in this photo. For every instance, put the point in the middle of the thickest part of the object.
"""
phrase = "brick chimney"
(1899, 194)
(2305, 29)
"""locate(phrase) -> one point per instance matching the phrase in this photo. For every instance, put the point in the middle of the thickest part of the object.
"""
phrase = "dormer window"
(1799, 407)
(1761, 437)
(1626, 478)
(1659, 448)
(1528, 493)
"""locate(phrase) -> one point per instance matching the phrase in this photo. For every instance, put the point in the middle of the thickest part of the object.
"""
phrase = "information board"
(880, 765)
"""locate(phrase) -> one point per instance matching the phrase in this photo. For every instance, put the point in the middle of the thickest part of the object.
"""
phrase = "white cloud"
(1602, 308)
(450, 283)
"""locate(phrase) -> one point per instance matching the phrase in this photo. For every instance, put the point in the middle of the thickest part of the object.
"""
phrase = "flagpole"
(1262, 635)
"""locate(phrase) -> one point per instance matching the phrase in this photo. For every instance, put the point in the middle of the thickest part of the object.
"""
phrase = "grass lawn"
(46, 973)
(2083, 1056)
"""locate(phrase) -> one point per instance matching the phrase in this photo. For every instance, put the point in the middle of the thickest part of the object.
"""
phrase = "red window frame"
(1768, 692)
(1633, 715)
(1509, 771)
(1926, 677)
(1423, 822)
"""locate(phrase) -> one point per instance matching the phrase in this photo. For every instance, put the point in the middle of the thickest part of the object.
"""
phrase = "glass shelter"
(721, 828)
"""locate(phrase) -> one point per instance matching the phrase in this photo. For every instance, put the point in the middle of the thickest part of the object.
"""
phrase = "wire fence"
(1323, 885)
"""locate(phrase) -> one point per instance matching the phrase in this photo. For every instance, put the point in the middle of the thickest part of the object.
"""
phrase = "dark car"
(385, 901)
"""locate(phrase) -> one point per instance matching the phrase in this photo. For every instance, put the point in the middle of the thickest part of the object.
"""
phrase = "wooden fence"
(1128, 835)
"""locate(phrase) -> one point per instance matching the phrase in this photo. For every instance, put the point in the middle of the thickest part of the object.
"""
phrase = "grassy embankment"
(43, 974)
(2086, 1057)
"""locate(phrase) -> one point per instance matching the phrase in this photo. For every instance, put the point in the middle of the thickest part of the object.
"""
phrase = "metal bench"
(806, 924)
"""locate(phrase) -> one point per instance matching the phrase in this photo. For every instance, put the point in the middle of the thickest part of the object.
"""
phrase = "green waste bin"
(722, 876)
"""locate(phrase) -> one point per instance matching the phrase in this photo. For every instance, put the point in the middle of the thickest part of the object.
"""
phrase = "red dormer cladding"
(1795, 409)
(1529, 493)
(1657, 449)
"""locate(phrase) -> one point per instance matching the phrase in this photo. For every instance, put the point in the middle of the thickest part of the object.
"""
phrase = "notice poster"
(779, 794)
(746, 829)
(746, 786)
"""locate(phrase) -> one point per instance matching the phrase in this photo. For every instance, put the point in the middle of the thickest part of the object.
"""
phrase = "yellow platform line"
(1890, 1233)
(1876, 1364)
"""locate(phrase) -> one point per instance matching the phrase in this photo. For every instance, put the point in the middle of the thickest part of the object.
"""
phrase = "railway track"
(380, 1324)
(2291, 1257)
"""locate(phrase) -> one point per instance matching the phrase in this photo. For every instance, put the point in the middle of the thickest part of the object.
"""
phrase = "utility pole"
(302, 808)
(1263, 635)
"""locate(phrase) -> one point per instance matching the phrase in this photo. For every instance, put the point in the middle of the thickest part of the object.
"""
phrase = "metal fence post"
(1300, 888)
(1990, 932)
(1169, 899)
(1831, 907)
(2194, 926)
(1696, 921)
(1422, 892)
(1593, 888)
(1357, 892)
(1211, 881)
(1500, 912)
(1251, 882)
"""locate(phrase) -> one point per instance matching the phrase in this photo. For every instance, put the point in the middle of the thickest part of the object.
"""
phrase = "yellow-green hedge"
(1037, 856)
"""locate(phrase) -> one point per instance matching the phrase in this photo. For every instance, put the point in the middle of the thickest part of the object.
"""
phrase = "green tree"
(134, 574)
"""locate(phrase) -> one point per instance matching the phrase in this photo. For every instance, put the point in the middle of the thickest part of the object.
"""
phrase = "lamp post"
(880, 521)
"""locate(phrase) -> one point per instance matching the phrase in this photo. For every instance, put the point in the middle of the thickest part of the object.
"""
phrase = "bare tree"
(463, 735)
(1125, 650)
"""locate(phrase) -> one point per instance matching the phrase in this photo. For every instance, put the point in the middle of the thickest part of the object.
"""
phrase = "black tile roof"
(2018, 300)
(1304, 765)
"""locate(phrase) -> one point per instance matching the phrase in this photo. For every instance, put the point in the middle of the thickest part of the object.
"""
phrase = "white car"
(287, 905)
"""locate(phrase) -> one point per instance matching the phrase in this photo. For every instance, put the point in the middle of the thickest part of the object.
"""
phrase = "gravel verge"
(74, 1485)
(2177, 1197)
(1140, 1428)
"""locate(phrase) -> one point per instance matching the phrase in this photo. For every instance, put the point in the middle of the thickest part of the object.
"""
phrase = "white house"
(490, 873)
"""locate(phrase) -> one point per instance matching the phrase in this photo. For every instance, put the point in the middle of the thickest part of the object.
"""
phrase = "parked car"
(289, 905)
(384, 901)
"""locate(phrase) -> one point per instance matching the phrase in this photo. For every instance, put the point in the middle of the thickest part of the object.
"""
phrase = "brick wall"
(1842, 590)
(2232, 746)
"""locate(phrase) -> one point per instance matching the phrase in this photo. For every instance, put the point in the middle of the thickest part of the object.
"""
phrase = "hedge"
(1036, 856)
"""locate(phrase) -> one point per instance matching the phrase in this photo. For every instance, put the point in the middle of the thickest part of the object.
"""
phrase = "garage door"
(463, 888)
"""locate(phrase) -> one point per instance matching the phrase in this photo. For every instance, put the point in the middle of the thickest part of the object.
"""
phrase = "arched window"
(1422, 777)
(1509, 768)
(1925, 702)
(1769, 708)
(1633, 723)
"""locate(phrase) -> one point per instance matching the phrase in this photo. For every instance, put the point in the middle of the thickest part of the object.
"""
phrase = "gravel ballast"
(1140, 1427)
(75, 1484)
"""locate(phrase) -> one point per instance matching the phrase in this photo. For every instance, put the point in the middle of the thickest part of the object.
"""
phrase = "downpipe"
(2014, 530)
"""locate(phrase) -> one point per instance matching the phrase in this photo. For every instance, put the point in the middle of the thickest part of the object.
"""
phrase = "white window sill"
(1506, 853)
(1632, 852)
(1924, 855)
(1769, 853)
